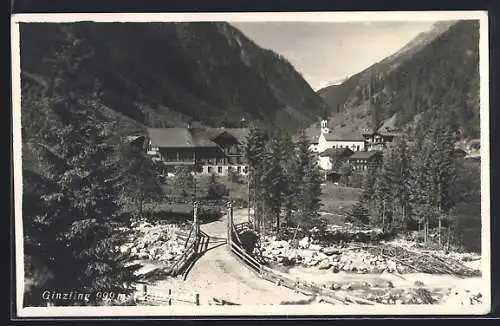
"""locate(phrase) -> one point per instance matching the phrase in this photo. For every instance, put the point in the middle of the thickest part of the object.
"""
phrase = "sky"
(326, 52)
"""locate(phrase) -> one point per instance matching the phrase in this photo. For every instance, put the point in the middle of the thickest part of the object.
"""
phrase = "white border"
(254, 310)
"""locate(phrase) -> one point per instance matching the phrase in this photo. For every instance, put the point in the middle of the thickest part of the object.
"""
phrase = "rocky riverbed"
(352, 269)
(349, 258)
(158, 242)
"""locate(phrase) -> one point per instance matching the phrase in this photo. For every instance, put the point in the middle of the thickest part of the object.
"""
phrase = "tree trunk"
(448, 239)
(383, 214)
(439, 232)
(425, 230)
(278, 225)
(419, 229)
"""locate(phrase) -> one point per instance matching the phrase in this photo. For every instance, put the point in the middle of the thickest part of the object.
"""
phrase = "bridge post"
(229, 222)
(196, 225)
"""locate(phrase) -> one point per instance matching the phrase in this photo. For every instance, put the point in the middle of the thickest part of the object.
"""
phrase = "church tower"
(324, 127)
(324, 122)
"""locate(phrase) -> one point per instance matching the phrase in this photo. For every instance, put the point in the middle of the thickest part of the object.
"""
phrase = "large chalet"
(212, 150)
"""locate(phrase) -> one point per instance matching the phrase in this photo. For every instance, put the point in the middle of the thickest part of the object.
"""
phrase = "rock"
(280, 244)
(330, 251)
(324, 264)
(335, 286)
(347, 287)
(277, 252)
(304, 243)
(125, 250)
(315, 247)
(143, 255)
(153, 251)
(335, 269)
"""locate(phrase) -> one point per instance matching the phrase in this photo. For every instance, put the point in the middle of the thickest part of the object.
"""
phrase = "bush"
(215, 189)
(358, 214)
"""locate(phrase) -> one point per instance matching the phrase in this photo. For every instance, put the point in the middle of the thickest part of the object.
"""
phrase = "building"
(210, 150)
(365, 161)
(327, 139)
(332, 159)
(377, 140)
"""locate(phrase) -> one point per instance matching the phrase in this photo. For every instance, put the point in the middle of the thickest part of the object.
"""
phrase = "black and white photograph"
(210, 164)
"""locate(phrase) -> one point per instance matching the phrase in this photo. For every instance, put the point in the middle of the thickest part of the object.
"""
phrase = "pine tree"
(273, 180)
(359, 214)
(185, 182)
(401, 160)
(72, 232)
(254, 156)
(140, 183)
(308, 185)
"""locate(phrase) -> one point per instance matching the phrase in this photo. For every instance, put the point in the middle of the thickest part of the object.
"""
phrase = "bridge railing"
(190, 246)
(279, 278)
(153, 298)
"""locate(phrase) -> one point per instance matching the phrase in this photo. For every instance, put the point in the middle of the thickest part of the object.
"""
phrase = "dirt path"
(219, 274)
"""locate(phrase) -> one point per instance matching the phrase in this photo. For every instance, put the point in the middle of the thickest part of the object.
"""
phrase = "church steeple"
(324, 122)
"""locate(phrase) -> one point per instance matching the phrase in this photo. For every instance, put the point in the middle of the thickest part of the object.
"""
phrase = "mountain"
(168, 74)
(438, 70)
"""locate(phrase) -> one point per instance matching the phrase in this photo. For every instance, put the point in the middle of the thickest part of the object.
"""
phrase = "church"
(334, 147)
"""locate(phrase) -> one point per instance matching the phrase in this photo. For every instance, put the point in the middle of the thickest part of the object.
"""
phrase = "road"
(219, 274)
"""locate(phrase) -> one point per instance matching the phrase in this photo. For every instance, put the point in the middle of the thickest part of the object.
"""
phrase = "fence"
(279, 278)
(151, 298)
(190, 245)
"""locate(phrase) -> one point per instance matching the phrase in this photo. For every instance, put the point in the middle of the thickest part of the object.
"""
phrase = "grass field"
(336, 199)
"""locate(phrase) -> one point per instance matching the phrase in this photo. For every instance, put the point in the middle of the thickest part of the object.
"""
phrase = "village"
(360, 262)
(244, 171)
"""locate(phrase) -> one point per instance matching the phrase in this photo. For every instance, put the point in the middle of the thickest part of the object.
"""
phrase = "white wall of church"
(354, 145)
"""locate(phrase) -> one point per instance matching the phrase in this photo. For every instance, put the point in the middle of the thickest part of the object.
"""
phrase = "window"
(245, 170)
(239, 169)
(209, 170)
(357, 148)
(219, 169)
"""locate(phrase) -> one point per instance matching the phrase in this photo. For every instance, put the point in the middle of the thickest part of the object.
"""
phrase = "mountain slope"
(165, 74)
(437, 70)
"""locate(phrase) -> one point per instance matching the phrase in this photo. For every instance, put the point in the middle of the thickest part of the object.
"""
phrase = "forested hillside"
(164, 74)
(440, 71)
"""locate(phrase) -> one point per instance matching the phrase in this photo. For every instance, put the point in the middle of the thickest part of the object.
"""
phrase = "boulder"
(167, 256)
(324, 264)
(143, 255)
(304, 243)
(347, 287)
(315, 247)
(335, 286)
(280, 244)
(330, 251)
(125, 249)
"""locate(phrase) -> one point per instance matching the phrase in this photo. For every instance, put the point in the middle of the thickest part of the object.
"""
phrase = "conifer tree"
(73, 226)
(254, 156)
(308, 187)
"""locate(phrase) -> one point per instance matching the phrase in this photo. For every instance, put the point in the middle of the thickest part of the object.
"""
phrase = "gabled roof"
(333, 152)
(364, 155)
(179, 137)
(192, 137)
(239, 133)
(344, 136)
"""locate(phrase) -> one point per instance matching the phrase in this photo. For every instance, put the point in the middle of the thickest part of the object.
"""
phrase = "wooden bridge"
(235, 238)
